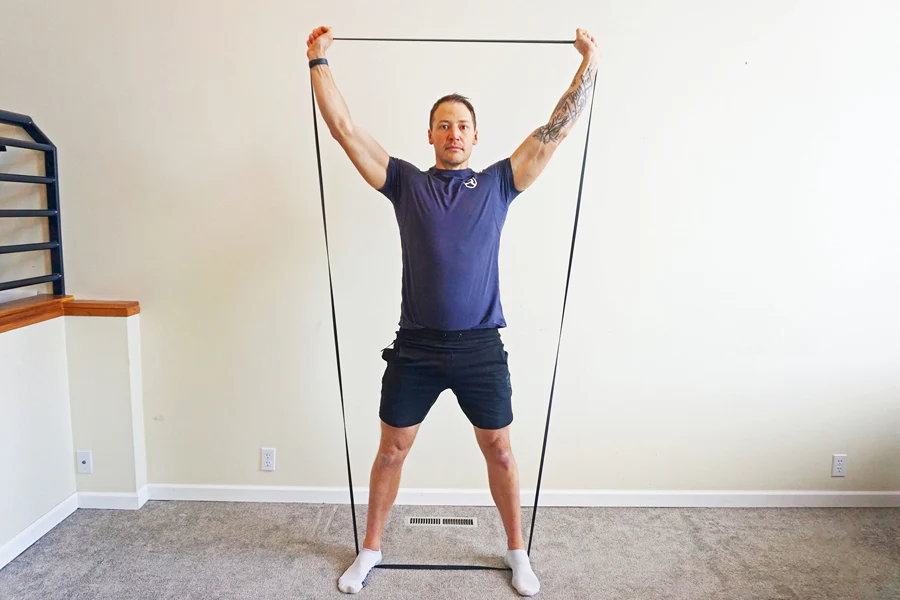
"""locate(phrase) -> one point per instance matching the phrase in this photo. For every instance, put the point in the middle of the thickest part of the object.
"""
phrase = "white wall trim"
(250, 493)
(112, 500)
(721, 498)
(37, 530)
(574, 498)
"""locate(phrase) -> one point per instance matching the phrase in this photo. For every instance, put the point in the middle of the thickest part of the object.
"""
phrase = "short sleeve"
(398, 176)
(502, 170)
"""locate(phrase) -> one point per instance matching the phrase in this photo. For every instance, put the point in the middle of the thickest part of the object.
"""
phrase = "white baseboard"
(143, 496)
(572, 498)
(249, 493)
(720, 499)
(37, 530)
(111, 500)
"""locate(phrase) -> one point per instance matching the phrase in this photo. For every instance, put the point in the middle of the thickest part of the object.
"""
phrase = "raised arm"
(369, 158)
(529, 159)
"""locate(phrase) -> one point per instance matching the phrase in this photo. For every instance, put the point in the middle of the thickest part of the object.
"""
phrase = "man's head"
(452, 131)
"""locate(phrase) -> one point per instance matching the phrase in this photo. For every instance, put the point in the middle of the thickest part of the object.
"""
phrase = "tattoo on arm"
(567, 111)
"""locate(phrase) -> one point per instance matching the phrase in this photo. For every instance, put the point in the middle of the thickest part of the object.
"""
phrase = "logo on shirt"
(470, 183)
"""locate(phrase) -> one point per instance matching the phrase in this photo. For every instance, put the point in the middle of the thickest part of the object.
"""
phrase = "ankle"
(518, 553)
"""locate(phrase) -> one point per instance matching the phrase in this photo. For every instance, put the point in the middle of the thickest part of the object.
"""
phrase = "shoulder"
(499, 171)
(498, 168)
(500, 174)
(403, 166)
(399, 174)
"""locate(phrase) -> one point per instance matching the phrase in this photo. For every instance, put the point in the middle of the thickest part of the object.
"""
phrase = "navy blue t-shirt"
(450, 224)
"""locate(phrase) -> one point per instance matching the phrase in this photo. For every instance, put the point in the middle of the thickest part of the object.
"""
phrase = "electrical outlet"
(838, 465)
(268, 459)
(85, 462)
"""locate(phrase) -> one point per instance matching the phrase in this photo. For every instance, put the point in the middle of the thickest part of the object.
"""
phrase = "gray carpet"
(205, 550)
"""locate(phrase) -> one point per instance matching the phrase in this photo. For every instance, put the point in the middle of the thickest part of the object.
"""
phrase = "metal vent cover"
(442, 521)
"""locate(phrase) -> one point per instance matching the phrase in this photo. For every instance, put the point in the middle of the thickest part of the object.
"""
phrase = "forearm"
(331, 104)
(571, 105)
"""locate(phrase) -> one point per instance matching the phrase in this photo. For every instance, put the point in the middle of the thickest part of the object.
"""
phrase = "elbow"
(341, 130)
(551, 136)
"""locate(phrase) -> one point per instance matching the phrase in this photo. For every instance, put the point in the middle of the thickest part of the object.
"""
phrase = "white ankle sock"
(354, 578)
(523, 579)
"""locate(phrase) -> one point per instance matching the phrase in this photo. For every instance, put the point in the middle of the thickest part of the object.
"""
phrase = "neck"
(439, 164)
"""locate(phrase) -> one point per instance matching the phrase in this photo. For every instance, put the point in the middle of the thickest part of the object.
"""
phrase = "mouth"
(451, 148)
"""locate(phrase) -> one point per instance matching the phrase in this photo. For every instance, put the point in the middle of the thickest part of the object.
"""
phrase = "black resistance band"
(354, 39)
(337, 351)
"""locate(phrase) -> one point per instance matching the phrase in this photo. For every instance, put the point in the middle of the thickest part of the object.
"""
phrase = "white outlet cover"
(838, 465)
(85, 462)
(267, 459)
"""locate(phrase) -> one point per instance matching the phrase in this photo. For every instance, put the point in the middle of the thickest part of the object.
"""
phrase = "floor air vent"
(443, 521)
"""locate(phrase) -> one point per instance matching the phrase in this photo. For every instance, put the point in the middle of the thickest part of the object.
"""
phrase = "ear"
(475, 139)
(430, 139)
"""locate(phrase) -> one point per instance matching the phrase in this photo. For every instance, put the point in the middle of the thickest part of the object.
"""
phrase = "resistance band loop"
(337, 351)
(537, 491)
(337, 348)
(352, 39)
(442, 568)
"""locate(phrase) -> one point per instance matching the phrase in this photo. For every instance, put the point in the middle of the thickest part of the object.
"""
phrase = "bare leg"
(385, 479)
(503, 475)
(383, 485)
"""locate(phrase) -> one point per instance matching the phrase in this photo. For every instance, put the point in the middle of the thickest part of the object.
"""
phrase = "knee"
(500, 456)
(390, 457)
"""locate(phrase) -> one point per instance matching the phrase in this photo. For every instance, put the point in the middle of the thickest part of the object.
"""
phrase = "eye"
(463, 126)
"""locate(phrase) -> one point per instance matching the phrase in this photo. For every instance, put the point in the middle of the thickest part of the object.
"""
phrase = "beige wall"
(105, 392)
(35, 426)
(732, 318)
(68, 384)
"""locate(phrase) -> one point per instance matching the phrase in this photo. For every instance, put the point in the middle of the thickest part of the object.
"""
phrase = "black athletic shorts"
(425, 362)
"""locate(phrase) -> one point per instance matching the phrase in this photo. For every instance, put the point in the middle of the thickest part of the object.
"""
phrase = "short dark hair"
(452, 98)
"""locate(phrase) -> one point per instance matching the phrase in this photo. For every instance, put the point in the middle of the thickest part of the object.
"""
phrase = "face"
(453, 136)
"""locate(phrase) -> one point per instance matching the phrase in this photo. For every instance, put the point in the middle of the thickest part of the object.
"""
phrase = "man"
(450, 219)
